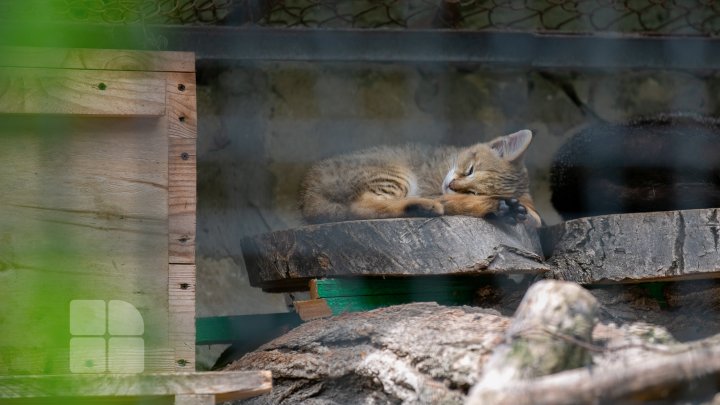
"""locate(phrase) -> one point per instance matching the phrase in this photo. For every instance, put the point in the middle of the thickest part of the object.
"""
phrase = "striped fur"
(417, 180)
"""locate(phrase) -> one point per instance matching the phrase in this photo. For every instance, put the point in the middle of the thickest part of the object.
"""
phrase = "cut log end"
(286, 260)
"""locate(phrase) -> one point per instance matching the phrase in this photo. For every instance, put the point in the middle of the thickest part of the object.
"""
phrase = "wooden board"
(81, 92)
(97, 59)
(334, 296)
(228, 385)
(670, 245)
(286, 260)
(420, 285)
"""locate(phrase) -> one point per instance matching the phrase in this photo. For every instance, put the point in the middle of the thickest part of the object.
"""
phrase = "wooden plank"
(87, 92)
(182, 159)
(194, 399)
(83, 385)
(228, 329)
(340, 305)
(84, 217)
(312, 309)
(181, 307)
(97, 59)
(358, 286)
(640, 247)
(391, 247)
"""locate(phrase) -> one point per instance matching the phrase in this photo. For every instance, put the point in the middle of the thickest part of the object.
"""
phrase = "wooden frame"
(150, 87)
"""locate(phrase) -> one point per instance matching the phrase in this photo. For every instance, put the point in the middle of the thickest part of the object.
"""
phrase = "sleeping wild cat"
(485, 179)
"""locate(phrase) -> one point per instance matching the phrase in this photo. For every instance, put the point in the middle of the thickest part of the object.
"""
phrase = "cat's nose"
(452, 186)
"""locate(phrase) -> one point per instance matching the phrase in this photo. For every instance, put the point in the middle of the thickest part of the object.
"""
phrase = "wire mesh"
(664, 17)
(119, 11)
(687, 17)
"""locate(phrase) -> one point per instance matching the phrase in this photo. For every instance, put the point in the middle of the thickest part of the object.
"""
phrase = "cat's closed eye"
(470, 170)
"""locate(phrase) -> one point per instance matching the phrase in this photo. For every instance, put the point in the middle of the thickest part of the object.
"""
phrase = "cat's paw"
(511, 211)
(424, 208)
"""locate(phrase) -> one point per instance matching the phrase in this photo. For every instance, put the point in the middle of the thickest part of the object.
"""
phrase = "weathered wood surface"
(418, 353)
(182, 204)
(637, 247)
(661, 373)
(97, 59)
(81, 92)
(532, 345)
(426, 353)
(232, 385)
(286, 260)
(84, 217)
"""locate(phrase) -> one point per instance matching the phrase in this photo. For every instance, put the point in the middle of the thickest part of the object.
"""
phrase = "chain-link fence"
(688, 17)
(118, 11)
(671, 17)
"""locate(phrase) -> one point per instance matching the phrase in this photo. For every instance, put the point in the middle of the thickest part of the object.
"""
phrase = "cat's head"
(494, 168)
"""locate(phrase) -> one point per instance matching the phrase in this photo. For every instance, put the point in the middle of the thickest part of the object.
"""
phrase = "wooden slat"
(194, 399)
(132, 385)
(87, 92)
(181, 306)
(182, 169)
(312, 309)
(182, 201)
(359, 286)
(229, 329)
(97, 59)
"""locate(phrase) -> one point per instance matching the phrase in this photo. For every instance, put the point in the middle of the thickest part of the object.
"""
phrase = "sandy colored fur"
(401, 181)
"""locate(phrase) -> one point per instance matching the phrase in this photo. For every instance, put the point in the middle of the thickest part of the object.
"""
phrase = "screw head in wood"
(184, 156)
(181, 87)
(102, 86)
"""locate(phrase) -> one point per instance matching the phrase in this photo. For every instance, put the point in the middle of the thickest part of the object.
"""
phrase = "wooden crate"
(97, 211)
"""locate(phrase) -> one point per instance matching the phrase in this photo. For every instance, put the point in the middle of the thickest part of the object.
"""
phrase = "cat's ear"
(512, 147)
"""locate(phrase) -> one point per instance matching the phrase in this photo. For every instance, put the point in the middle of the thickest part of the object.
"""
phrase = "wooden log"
(640, 247)
(534, 345)
(667, 367)
(426, 353)
(286, 260)
(417, 353)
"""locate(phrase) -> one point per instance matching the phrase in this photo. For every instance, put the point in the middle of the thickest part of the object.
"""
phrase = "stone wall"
(262, 124)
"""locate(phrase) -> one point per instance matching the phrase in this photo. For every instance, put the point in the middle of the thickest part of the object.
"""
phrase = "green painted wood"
(359, 286)
(339, 305)
(243, 328)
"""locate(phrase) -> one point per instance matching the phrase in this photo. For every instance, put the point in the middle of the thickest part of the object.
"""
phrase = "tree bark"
(425, 353)
(286, 260)
(534, 345)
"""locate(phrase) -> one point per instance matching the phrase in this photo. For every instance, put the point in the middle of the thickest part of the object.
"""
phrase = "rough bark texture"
(424, 353)
(415, 353)
(687, 309)
(532, 347)
(637, 247)
(285, 260)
